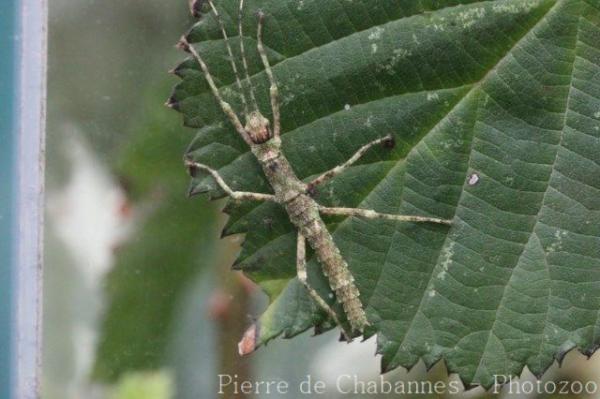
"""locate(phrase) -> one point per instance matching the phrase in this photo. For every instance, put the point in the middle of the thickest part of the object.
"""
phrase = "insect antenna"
(231, 58)
(244, 59)
(274, 90)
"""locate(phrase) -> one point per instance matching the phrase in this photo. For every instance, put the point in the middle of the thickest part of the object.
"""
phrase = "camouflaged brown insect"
(293, 194)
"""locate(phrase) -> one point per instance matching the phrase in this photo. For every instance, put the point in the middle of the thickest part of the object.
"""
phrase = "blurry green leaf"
(495, 107)
(158, 385)
(173, 242)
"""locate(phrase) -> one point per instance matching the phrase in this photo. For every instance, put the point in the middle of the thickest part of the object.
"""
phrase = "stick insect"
(293, 194)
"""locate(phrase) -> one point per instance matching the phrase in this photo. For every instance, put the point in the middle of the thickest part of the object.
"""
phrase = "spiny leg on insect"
(293, 194)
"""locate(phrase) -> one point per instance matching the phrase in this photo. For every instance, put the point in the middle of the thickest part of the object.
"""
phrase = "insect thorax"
(278, 170)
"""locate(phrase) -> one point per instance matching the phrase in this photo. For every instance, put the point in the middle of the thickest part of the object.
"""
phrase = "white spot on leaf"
(469, 17)
(376, 34)
(523, 6)
(557, 245)
(447, 254)
(433, 96)
(473, 179)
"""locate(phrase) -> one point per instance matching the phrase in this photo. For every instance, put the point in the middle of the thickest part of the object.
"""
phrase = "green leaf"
(495, 107)
(156, 385)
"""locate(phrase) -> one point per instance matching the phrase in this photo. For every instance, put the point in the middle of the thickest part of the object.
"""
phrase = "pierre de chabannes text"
(347, 384)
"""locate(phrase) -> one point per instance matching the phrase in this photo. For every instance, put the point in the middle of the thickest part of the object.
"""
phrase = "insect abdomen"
(304, 213)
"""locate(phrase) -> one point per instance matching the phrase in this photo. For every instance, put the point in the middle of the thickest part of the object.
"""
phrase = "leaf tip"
(183, 44)
(238, 265)
(590, 351)
(228, 230)
(176, 71)
(196, 8)
(193, 191)
(345, 337)
(247, 345)
(386, 367)
(563, 351)
(173, 104)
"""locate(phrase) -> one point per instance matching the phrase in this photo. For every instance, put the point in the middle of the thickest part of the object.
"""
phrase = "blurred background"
(140, 301)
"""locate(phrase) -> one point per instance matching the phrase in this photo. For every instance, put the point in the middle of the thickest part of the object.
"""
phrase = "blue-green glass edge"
(8, 78)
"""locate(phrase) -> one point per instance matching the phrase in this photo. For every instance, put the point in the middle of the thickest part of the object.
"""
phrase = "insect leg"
(183, 44)
(230, 52)
(330, 174)
(370, 214)
(274, 90)
(236, 195)
(244, 59)
(303, 278)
